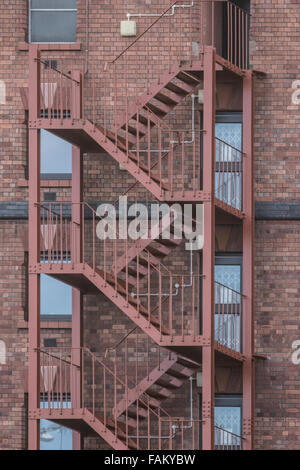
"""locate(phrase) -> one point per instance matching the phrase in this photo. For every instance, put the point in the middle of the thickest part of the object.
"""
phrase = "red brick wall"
(274, 45)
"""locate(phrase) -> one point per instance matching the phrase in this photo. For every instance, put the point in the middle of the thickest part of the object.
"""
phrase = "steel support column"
(34, 253)
(248, 262)
(77, 327)
(208, 375)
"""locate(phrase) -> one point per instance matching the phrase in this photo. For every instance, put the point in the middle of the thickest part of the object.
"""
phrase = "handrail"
(92, 355)
(157, 20)
(229, 432)
(112, 348)
(229, 288)
(57, 70)
(141, 35)
(231, 146)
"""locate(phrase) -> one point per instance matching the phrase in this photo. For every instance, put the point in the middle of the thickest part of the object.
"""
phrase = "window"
(2, 352)
(228, 175)
(228, 276)
(52, 21)
(56, 299)
(54, 436)
(56, 157)
(228, 420)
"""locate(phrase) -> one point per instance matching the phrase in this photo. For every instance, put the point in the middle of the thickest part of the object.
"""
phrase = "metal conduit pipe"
(174, 142)
(155, 15)
(174, 426)
(177, 286)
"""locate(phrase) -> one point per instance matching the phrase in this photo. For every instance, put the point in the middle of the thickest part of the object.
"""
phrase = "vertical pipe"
(248, 261)
(34, 248)
(209, 249)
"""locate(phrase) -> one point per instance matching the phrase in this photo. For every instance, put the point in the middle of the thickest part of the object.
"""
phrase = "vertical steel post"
(34, 248)
(77, 320)
(248, 262)
(209, 249)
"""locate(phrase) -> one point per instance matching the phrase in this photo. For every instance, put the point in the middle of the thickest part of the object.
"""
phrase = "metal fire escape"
(117, 397)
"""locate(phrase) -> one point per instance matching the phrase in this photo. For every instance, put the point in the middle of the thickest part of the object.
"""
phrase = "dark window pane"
(53, 4)
(56, 154)
(53, 26)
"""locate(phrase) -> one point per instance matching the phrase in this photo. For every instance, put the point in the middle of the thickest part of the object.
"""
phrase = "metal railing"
(229, 174)
(166, 300)
(74, 378)
(60, 92)
(226, 440)
(167, 41)
(229, 311)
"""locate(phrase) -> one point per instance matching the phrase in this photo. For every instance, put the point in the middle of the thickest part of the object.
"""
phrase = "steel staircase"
(165, 306)
(160, 384)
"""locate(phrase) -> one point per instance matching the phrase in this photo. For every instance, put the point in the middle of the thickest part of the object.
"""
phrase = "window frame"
(54, 176)
(228, 167)
(232, 259)
(230, 401)
(43, 318)
(48, 9)
(56, 317)
(222, 400)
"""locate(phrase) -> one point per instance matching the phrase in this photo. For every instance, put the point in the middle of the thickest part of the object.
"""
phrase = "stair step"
(153, 403)
(162, 394)
(144, 258)
(182, 90)
(134, 413)
(121, 141)
(183, 374)
(134, 270)
(169, 242)
(188, 363)
(187, 78)
(160, 110)
(158, 249)
(197, 75)
(171, 100)
(171, 385)
(133, 129)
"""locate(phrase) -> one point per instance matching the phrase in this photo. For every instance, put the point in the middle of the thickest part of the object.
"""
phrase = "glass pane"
(53, 436)
(231, 133)
(229, 276)
(56, 297)
(56, 154)
(227, 331)
(53, 26)
(53, 4)
(229, 419)
(227, 188)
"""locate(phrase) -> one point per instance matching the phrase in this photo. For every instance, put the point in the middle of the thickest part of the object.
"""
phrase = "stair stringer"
(142, 244)
(103, 431)
(121, 303)
(152, 91)
(140, 175)
(135, 393)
